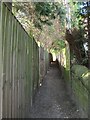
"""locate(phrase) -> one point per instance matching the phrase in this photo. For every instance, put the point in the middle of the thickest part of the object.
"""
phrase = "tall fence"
(44, 63)
(20, 67)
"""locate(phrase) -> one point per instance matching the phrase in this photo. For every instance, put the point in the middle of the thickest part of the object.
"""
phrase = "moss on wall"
(80, 86)
(82, 73)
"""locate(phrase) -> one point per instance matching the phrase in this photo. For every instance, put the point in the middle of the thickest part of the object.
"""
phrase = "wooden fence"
(20, 68)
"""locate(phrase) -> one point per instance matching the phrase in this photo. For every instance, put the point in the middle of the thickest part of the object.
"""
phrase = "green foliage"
(45, 20)
(42, 12)
(44, 8)
(78, 28)
(58, 45)
(61, 12)
(46, 11)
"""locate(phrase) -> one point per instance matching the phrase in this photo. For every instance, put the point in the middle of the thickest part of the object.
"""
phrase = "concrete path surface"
(52, 100)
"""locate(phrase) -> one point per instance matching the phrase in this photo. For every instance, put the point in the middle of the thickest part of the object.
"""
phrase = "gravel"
(52, 99)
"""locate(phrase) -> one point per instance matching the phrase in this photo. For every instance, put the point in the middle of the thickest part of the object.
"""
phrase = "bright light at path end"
(54, 57)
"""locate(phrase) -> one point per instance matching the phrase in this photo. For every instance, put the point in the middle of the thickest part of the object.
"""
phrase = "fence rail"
(20, 66)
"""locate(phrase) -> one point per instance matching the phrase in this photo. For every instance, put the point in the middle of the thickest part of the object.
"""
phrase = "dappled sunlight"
(86, 78)
(86, 75)
(43, 48)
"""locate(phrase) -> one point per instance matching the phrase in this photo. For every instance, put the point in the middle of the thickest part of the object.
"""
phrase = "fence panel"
(20, 69)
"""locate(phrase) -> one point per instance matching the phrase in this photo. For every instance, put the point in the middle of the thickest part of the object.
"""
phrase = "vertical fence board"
(13, 68)
(8, 67)
(31, 70)
(1, 64)
(5, 92)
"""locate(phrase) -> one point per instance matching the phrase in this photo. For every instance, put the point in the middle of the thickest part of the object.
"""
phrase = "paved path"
(52, 99)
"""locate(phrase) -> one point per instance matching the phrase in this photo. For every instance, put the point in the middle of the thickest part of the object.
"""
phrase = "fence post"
(1, 84)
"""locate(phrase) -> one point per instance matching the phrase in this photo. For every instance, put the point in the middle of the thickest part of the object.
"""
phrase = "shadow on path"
(52, 100)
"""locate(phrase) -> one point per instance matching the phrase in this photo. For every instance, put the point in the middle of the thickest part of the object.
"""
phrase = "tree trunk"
(73, 46)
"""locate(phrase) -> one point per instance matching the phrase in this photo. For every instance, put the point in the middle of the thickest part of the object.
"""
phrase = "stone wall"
(80, 88)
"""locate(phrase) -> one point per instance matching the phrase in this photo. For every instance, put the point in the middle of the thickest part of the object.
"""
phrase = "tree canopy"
(48, 22)
(77, 35)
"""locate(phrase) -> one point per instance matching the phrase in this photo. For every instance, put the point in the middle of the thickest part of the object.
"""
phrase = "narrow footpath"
(52, 100)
